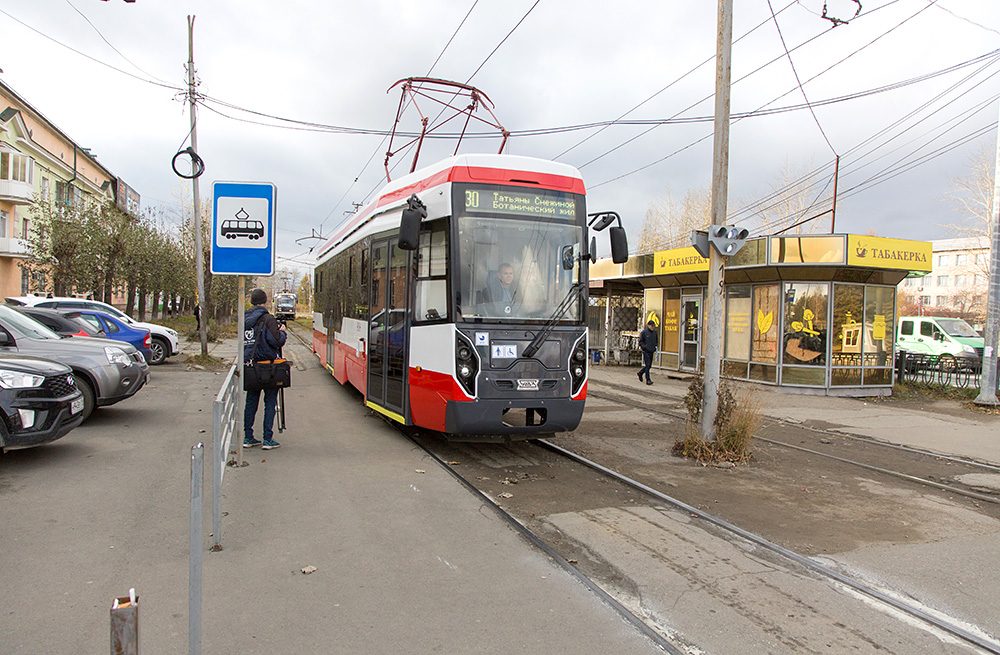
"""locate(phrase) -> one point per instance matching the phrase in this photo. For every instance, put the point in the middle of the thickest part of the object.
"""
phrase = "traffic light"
(699, 239)
(728, 239)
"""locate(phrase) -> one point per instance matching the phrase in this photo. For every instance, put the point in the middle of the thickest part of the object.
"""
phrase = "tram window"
(364, 269)
(431, 284)
(350, 271)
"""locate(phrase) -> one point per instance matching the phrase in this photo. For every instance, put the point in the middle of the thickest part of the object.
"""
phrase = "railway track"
(459, 460)
(827, 443)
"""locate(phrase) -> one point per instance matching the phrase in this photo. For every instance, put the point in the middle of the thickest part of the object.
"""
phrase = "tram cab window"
(431, 283)
(511, 268)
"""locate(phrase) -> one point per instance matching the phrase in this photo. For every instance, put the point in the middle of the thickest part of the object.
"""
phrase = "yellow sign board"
(880, 252)
(678, 260)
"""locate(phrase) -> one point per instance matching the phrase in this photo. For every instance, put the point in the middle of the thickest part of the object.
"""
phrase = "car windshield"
(511, 249)
(956, 327)
(26, 325)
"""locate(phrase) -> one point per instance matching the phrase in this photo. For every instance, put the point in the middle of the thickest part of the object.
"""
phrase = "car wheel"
(159, 352)
(88, 395)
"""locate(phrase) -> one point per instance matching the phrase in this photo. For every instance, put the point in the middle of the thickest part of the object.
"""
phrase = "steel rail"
(986, 644)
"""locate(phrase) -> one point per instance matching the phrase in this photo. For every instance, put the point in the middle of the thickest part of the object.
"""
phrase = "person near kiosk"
(648, 341)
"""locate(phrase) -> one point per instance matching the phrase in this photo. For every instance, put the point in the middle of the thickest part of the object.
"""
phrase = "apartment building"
(38, 163)
(957, 284)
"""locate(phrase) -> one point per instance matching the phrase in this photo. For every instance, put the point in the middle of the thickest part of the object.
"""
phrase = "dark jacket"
(257, 318)
(648, 340)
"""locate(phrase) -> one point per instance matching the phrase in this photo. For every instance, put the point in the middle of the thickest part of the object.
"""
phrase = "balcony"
(13, 247)
(19, 193)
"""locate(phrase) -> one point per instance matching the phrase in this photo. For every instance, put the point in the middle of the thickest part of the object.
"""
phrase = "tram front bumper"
(501, 420)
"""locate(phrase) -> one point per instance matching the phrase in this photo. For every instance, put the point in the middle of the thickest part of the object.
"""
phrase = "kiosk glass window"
(738, 299)
(765, 323)
(848, 334)
(880, 318)
(805, 336)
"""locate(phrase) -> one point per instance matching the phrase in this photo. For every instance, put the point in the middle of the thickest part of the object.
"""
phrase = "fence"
(945, 370)
(226, 415)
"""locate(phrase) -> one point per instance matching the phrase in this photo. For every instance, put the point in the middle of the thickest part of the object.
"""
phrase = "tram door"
(690, 333)
(387, 333)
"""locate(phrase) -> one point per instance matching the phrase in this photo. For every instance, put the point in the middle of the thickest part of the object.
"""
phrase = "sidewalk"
(968, 434)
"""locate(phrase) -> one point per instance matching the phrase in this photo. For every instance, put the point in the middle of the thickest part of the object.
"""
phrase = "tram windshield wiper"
(567, 302)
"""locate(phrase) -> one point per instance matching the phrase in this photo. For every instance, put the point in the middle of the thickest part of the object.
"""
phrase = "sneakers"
(647, 382)
(639, 375)
(250, 443)
(270, 444)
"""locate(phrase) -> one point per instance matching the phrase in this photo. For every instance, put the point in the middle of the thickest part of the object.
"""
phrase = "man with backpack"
(263, 338)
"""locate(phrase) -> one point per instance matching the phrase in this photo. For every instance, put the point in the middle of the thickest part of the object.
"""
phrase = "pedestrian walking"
(258, 322)
(197, 316)
(648, 341)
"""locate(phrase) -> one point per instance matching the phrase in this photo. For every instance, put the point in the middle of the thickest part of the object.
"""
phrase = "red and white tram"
(469, 320)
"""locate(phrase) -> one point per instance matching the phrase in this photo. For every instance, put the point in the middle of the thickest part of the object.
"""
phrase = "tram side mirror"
(593, 250)
(409, 225)
(619, 244)
(568, 260)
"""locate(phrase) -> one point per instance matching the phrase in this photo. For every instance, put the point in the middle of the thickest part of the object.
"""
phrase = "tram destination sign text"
(519, 203)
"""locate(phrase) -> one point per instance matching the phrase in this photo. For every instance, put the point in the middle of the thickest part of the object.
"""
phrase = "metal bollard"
(194, 561)
(125, 625)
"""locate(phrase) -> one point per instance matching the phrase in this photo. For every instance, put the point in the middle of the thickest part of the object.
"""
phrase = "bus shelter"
(815, 314)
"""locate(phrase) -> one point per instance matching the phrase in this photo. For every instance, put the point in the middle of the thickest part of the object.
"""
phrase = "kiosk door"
(690, 333)
(388, 328)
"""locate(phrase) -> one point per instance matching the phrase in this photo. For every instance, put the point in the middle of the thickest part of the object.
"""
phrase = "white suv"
(164, 342)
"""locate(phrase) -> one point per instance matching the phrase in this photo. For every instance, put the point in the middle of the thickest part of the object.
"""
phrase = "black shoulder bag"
(265, 374)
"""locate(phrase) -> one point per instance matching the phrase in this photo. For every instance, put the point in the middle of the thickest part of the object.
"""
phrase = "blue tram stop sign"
(243, 224)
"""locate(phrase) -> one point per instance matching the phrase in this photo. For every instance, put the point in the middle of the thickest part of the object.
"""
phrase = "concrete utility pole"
(988, 379)
(714, 315)
(199, 264)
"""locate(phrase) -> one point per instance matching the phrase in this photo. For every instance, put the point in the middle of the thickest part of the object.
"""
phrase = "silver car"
(106, 372)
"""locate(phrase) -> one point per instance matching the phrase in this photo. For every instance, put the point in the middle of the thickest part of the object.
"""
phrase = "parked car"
(164, 340)
(106, 372)
(66, 324)
(939, 336)
(119, 330)
(39, 401)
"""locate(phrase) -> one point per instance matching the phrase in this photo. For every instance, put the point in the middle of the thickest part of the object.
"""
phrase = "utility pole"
(199, 264)
(714, 314)
(988, 379)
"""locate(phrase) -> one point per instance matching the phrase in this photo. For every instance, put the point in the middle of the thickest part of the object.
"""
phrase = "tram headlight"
(466, 364)
(578, 364)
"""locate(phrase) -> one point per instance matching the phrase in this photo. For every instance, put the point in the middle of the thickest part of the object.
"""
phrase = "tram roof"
(837, 257)
(474, 168)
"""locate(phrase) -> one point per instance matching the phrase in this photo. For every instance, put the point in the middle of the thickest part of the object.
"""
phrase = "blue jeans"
(250, 412)
(647, 363)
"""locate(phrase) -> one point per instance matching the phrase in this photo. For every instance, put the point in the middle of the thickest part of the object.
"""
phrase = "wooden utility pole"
(714, 314)
(199, 264)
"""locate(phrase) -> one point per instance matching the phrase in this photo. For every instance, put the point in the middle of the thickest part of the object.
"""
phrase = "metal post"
(241, 327)
(715, 297)
(194, 558)
(199, 264)
(607, 329)
(125, 625)
(988, 380)
(218, 461)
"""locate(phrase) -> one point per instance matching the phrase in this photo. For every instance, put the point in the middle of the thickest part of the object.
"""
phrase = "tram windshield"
(510, 264)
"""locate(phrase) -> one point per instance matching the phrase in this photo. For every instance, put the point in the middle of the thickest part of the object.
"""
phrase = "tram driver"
(500, 292)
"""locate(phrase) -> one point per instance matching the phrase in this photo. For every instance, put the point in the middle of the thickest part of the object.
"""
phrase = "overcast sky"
(111, 75)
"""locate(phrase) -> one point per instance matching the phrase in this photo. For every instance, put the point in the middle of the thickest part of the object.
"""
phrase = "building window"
(940, 301)
(961, 280)
(942, 280)
(925, 300)
(24, 228)
(944, 260)
(961, 260)
(4, 217)
(45, 189)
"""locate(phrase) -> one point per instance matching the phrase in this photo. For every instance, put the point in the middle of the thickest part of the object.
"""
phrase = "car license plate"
(527, 385)
(76, 406)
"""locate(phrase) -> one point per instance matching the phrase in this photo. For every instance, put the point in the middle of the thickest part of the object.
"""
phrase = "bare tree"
(972, 197)
(668, 224)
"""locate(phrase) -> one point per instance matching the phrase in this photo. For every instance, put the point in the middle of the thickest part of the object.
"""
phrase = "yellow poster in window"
(878, 327)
